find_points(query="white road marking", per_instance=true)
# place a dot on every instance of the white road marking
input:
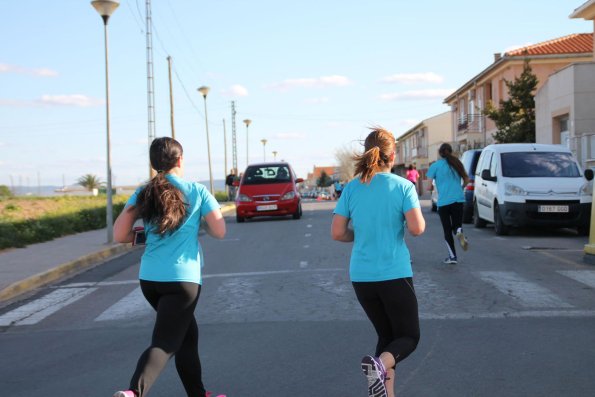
(306, 246)
(307, 235)
(303, 264)
(35, 311)
(131, 306)
(308, 225)
(586, 277)
(526, 293)
(500, 315)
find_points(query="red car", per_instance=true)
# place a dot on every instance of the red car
(268, 189)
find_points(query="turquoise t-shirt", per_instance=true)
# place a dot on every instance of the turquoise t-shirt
(448, 183)
(377, 212)
(177, 256)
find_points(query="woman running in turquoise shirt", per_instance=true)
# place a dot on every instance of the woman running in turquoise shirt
(380, 206)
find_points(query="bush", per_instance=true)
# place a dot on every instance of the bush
(221, 196)
(19, 233)
(5, 191)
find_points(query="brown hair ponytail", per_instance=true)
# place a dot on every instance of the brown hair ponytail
(159, 202)
(445, 151)
(378, 147)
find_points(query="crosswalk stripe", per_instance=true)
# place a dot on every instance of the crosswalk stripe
(35, 311)
(586, 277)
(526, 293)
(131, 306)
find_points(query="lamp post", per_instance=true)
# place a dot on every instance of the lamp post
(274, 155)
(204, 90)
(264, 153)
(105, 8)
(247, 122)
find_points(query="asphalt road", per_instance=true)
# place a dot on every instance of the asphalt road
(278, 317)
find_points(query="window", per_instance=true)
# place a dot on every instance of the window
(258, 175)
(539, 165)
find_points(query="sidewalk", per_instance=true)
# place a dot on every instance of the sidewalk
(25, 269)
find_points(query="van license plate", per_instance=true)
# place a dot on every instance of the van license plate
(552, 208)
(270, 207)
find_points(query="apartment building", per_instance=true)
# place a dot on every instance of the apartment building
(471, 128)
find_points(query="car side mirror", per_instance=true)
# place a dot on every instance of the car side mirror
(589, 174)
(487, 176)
(300, 180)
(236, 183)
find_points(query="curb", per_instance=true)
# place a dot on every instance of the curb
(63, 270)
(69, 268)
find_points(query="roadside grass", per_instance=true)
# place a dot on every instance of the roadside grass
(29, 220)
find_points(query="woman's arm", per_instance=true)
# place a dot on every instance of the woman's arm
(416, 224)
(339, 229)
(123, 226)
(215, 224)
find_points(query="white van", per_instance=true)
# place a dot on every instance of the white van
(524, 184)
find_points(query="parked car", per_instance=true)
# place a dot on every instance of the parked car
(469, 159)
(268, 189)
(526, 184)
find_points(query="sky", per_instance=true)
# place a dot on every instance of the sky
(312, 76)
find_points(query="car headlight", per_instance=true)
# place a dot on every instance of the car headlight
(514, 190)
(243, 198)
(288, 195)
(586, 189)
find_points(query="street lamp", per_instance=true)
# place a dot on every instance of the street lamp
(247, 122)
(274, 155)
(264, 143)
(105, 8)
(204, 90)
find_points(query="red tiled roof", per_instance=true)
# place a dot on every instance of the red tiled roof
(577, 43)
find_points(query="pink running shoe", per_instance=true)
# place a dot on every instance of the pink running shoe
(125, 393)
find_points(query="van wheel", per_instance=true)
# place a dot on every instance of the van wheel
(240, 219)
(477, 221)
(499, 227)
(583, 230)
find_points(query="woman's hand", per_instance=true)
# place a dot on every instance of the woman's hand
(340, 230)
(215, 224)
(123, 225)
(416, 224)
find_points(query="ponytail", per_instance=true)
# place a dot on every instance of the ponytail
(445, 151)
(160, 202)
(379, 146)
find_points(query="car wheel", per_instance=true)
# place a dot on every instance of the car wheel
(240, 219)
(298, 213)
(477, 221)
(499, 227)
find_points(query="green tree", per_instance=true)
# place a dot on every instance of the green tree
(324, 180)
(5, 191)
(515, 117)
(90, 182)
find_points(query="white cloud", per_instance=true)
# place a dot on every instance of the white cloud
(40, 72)
(411, 78)
(235, 91)
(76, 100)
(290, 136)
(417, 95)
(312, 82)
(317, 101)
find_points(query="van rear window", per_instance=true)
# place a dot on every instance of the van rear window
(266, 174)
(539, 165)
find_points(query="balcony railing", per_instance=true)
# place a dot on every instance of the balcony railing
(471, 123)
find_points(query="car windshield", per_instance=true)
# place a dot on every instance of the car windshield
(539, 165)
(265, 174)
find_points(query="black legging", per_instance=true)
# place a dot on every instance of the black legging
(451, 217)
(175, 333)
(391, 306)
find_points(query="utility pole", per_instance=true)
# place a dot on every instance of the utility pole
(234, 146)
(171, 99)
(150, 82)
(224, 151)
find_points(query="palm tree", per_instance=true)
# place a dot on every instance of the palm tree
(90, 182)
